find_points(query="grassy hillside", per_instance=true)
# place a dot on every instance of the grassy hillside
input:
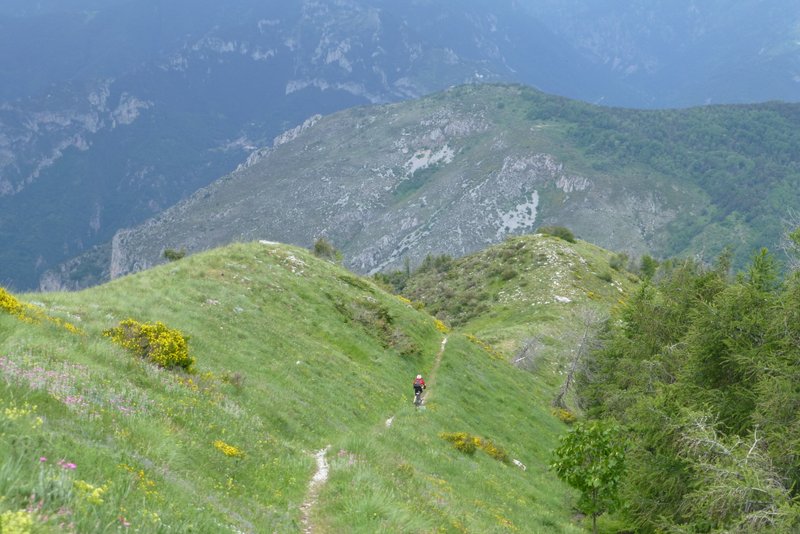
(533, 298)
(293, 355)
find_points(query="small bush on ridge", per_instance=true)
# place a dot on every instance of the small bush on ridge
(565, 416)
(173, 255)
(561, 232)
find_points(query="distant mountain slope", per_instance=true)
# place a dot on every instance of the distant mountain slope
(294, 355)
(111, 111)
(459, 170)
(683, 52)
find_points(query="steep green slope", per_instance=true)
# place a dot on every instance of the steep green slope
(294, 355)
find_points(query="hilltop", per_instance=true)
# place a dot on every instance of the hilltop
(539, 300)
(295, 359)
(465, 168)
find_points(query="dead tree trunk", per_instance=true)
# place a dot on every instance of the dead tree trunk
(590, 320)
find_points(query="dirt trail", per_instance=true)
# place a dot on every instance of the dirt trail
(434, 370)
(319, 478)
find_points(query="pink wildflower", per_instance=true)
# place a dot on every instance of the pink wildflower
(63, 464)
(124, 522)
(42, 459)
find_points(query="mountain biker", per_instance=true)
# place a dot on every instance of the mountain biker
(419, 385)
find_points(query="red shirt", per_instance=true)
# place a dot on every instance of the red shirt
(419, 382)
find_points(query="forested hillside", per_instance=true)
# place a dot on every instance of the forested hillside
(700, 369)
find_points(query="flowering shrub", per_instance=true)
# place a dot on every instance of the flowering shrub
(10, 304)
(155, 342)
(565, 416)
(29, 313)
(461, 441)
(440, 326)
(491, 449)
(20, 522)
(90, 493)
(468, 444)
(228, 450)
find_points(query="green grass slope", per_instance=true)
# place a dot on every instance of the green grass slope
(293, 355)
(532, 298)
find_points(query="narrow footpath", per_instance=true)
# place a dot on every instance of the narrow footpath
(321, 475)
(317, 481)
(434, 370)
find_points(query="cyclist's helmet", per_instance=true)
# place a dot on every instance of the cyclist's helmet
(419, 376)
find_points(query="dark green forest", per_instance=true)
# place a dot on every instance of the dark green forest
(700, 369)
(743, 156)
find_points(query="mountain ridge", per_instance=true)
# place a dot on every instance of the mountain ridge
(450, 173)
(110, 112)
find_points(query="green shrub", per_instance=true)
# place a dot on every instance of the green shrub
(648, 266)
(508, 274)
(618, 261)
(437, 264)
(561, 232)
(235, 379)
(325, 250)
(173, 255)
(605, 277)
(154, 342)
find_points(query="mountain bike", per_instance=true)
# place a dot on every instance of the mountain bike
(417, 397)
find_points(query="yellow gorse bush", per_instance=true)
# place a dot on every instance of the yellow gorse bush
(486, 347)
(10, 304)
(30, 314)
(468, 444)
(565, 416)
(166, 347)
(228, 450)
(440, 326)
(20, 522)
(461, 441)
(491, 449)
(89, 492)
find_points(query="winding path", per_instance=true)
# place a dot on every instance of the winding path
(319, 478)
(434, 370)
(321, 475)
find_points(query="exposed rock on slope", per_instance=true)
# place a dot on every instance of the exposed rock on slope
(446, 174)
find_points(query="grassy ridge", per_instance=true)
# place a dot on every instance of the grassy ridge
(293, 354)
(535, 290)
